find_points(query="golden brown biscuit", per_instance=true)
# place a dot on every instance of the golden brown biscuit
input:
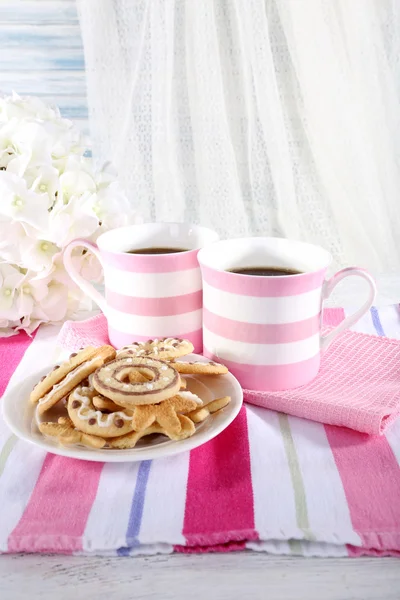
(199, 368)
(166, 414)
(137, 377)
(130, 440)
(163, 349)
(59, 372)
(201, 413)
(66, 434)
(69, 375)
(114, 381)
(87, 419)
(105, 404)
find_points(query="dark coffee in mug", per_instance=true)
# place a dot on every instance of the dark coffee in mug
(265, 271)
(156, 250)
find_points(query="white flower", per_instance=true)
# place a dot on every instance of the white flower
(68, 222)
(42, 179)
(111, 207)
(106, 175)
(11, 235)
(36, 140)
(16, 107)
(7, 150)
(50, 194)
(20, 204)
(53, 307)
(10, 282)
(36, 134)
(37, 254)
(64, 138)
(32, 291)
(75, 183)
(42, 298)
(7, 328)
(59, 274)
(16, 163)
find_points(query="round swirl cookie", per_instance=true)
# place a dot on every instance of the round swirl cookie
(113, 381)
(164, 348)
(105, 404)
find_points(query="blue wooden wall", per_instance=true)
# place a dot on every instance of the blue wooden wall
(41, 54)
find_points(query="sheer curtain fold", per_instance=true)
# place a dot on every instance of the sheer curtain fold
(262, 117)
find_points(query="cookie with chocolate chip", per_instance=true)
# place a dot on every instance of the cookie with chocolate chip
(65, 377)
(162, 348)
(87, 418)
(187, 429)
(199, 368)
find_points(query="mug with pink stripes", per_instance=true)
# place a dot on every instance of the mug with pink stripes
(152, 280)
(262, 309)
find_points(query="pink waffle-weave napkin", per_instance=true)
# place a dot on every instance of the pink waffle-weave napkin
(358, 385)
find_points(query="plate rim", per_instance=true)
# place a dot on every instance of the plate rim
(129, 455)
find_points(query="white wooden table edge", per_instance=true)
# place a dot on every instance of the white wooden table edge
(221, 576)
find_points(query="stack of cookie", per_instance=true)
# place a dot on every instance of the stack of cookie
(113, 399)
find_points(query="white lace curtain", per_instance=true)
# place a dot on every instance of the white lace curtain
(264, 117)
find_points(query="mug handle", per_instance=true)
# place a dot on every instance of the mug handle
(85, 286)
(327, 289)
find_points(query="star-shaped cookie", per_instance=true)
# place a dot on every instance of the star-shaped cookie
(66, 433)
(166, 413)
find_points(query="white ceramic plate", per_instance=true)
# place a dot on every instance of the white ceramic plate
(19, 414)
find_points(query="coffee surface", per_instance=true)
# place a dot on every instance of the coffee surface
(265, 271)
(163, 250)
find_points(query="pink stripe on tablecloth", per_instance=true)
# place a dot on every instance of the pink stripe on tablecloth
(219, 498)
(155, 307)
(247, 285)
(229, 547)
(356, 551)
(255, 333)
(371, 479)
(60, 502)
(372, 505)
(151, 263)
(12, 349)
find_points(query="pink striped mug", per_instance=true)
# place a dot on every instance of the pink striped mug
(148, 295)
(267, 329)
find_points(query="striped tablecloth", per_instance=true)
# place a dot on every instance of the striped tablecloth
(270, 482)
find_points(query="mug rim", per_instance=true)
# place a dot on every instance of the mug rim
(204, 263)
(110, 232)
